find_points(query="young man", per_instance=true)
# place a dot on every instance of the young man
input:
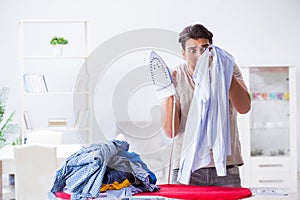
(194, 40)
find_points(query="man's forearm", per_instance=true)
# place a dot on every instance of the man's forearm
(239, 96)
(168, 116)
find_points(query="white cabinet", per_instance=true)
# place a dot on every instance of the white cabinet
(55, 88)
(268, 131)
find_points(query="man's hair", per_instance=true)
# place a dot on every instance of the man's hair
(194, 32)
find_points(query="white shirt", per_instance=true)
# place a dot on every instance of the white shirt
(208, 131)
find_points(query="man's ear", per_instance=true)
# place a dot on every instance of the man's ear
(183, 52)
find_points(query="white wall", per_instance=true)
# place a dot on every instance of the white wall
(255, 32)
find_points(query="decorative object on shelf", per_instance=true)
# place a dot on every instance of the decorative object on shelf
(273, 153)
(57, 122)
(270, 96)
(257, 152)
(58, 43)
(7, 127)
(59, 40)
(35, 83)
(279, 152)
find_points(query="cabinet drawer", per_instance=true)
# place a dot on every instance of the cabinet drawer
(270, 180)
(270, 165)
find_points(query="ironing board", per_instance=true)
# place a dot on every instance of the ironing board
(190, 192)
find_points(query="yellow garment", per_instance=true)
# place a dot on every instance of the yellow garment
(115, 185)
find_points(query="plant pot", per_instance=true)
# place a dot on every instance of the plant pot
(57, 50)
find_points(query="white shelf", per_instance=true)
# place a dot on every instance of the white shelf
(269, 129)
(61, 75)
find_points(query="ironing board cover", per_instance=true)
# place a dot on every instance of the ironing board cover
(190, 192)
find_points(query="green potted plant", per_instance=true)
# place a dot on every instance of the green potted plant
(7, 127)
(59, 40)
(58, 43)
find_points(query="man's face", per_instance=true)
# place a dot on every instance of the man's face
(193, 49)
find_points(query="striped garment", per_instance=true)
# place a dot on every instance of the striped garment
(84, 171)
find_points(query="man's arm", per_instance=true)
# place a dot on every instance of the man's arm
(167, 106)
(239, 96)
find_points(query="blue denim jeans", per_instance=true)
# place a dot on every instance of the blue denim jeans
(208, 177)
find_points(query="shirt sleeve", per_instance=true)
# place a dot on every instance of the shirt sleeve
(237, 73)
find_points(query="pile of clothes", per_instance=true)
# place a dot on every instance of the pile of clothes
(105, 167)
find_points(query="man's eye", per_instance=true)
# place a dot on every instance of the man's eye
(202, 50)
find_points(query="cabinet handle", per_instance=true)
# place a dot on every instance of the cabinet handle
(270, 181)
(271, 165)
